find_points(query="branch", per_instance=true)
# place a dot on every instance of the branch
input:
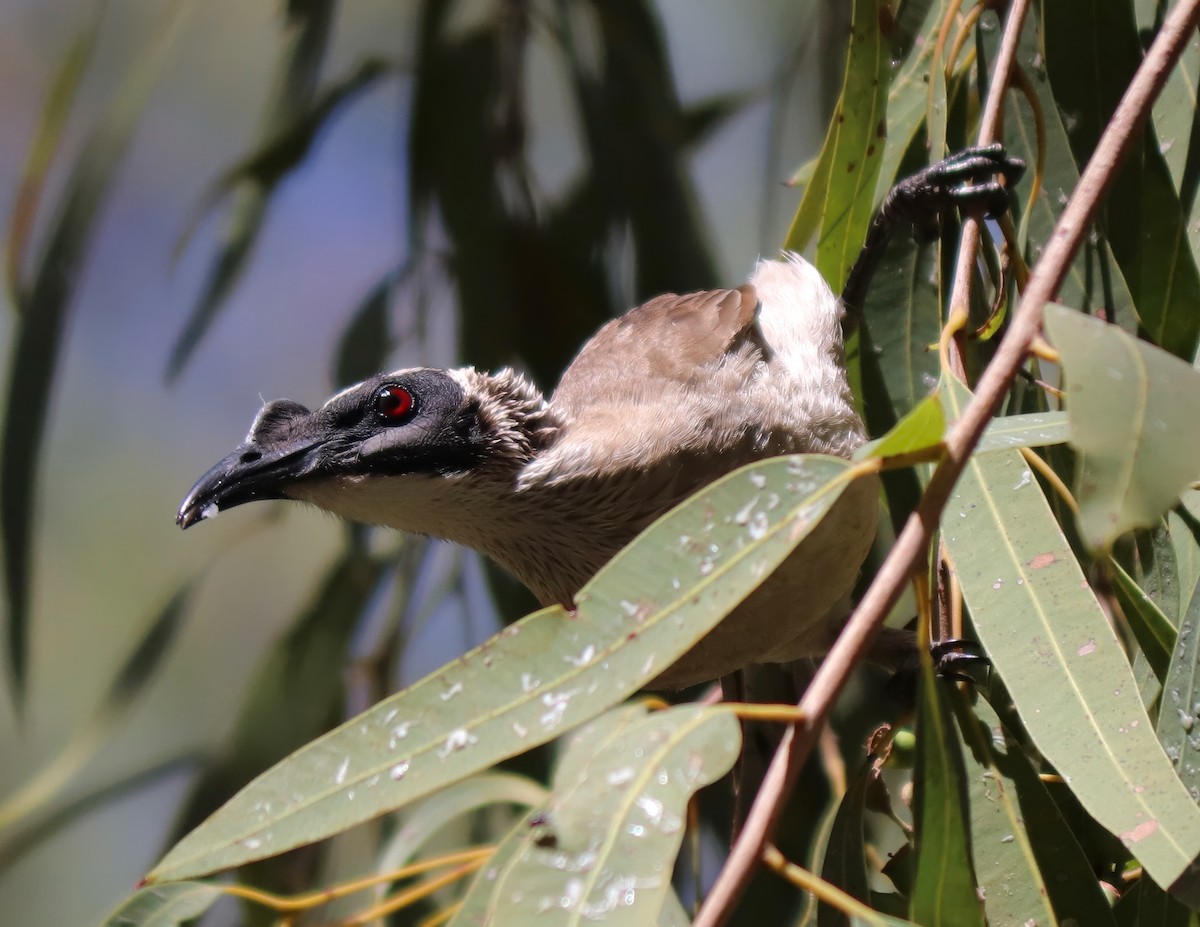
(1122, 132)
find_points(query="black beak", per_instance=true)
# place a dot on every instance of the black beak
(284, 444)
(248, 474)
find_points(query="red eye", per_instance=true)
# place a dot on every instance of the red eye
(393, 403)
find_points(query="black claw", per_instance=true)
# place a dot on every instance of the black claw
(960, 660)
(964, 179)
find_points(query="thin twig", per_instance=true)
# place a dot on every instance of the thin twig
(1122, 132)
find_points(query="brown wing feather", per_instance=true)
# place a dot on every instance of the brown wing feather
(667, 338)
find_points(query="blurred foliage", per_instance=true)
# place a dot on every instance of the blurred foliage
(1071, 781)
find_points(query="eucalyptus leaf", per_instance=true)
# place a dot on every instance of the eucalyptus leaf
(164, 905)
(536, 679)
(1056, 652)
(1135, 421)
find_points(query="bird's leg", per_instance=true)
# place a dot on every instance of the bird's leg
(966, 180)
(955, 658)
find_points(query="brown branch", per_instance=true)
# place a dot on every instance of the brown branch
(1122, 132)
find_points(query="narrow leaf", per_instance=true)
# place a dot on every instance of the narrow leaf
(1135, 421)
(838, 204)
(1179, 711)
(1057, 654)
(944, 891)
(1154, 633)
(920, 429)
(38, 337)
(640, 613)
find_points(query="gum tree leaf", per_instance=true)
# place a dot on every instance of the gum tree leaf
(840, 200)
(1135, 421)
(538, 677)
(920, 429)
(613, 830)
(944, 893)
(1179, 710)
(1058, 656)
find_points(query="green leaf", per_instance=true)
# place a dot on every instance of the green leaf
(38, 336)
(1031, 868)
(839, 202)
(164, 905)
(612, 831)
(944, 891)
(1094, 282)
(919, 430)
(1092, 51)
(845, 863)
(1033, 429)
(537, 678)
(1179, 711)
(908, 96)
(1135, 421)
(1052, 645)
(1154, 633)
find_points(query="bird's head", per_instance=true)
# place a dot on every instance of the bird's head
(382, 443)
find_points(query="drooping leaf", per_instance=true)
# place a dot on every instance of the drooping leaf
(1094, 282)
(1092, 51)
(1052, 645)
(46, 141)
(636, 617)
(944, 892)
(1135, 422)
(38, 337)
(839, 202)
(1033, 429)
(845, 863)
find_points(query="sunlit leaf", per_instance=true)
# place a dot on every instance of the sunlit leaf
(1033, 429)
(1053, 646)
(839, 202)
(920, 429)
(1135, 421)
(611, 833)
(537, 678)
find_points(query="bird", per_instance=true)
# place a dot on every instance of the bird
(658, 403)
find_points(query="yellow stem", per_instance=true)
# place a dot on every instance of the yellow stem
(815, 885)
(409, 896)
(1050, 477)
(476, 856)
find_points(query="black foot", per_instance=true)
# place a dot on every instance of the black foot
(956, 660)
(965, 180)
(959, 660)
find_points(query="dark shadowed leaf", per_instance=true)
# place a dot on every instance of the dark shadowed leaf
(294, 115)
(1092, 50)
(944, 892)
(367, 340)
